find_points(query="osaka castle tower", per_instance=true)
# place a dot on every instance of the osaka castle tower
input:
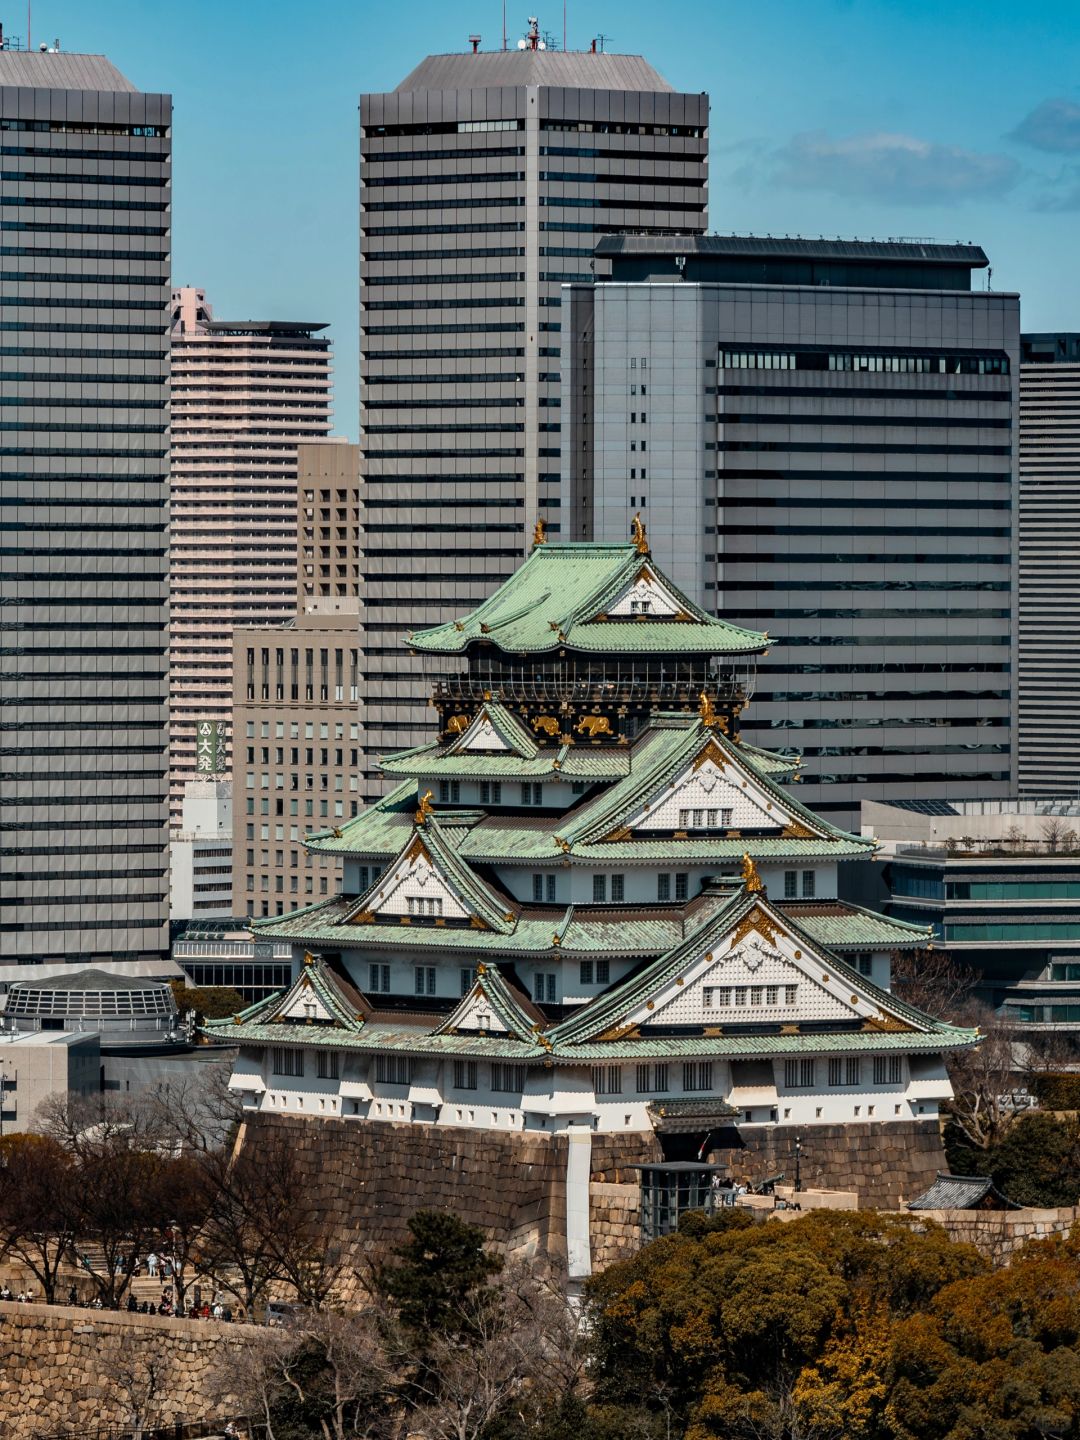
(587, 903)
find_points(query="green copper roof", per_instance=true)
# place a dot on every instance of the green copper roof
(514, 1008)
(768, 762)
(851, 927)
(567, 762)
(550, 603)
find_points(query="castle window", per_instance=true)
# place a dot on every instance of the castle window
(888, 1070)
(599, 888)
(379, 978)
(490, 792)
(663, 887)
(551, 889)
(425, 979)
(607, 1079)
(464, 1074)
(799, 1074)
(585, 972)
(640, 607)
(740, 996)
(603, 971)
(772, 994)
(681, 885)
(467, 977)
(507, 1079)
(393, 1069)
(287, 1061)
(791, 884)
(449, 792)
(789, 994)
(697, 1075)
(652, 1079)
(618, 887)
(845, 1072)
(808, 878)
(716, 997)
(544, 988)
(328, 1063)
(864, 963)
(532, 794)
(538, 887)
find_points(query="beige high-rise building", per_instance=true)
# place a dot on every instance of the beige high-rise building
(244, 394)
(296, 692)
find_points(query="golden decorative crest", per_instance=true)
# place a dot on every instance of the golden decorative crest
(539, 537)
(309, 958)
(750, 878)
(756, 922)
(795, 830)
(425, 808)
(637, 534)
(708, 711)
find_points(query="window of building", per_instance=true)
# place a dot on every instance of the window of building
(740, 992)
(618, 887)
(425, 980)
(551, 889)
(697, 1075)
(682, 885)
(888, 1070)
(790, 992)
(393, 1069)
(449, 792)
(663, 887)
(379, 978)
(287, 1061)
(468, 975)
(507, 1079)
(652, 1079)
(585, 972)
(328, 1064)
(791, 884)
(716, 997)
(846, 1072)
(864, 964)
(808, 879)
(603, 971)
(464, 1074)
(607, 1079)
(532, 794)
(599, 888)
(538, 887)
(490, 792)
(544, 988)
(798, 1074)
(640, 607)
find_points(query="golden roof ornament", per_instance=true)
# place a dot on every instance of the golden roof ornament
(709, 716)
(637, 534)
(425, 808)
(750, 878)
(539, 533)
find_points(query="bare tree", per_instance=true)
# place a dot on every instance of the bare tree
(39, 1208)
(982, 1078)
(142, 1377)
(933, 981)
(1054, 831)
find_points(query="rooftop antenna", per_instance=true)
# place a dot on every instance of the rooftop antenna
(474, 41)
(504, 24)
(564, 25)
(600, 41)
(29, 37)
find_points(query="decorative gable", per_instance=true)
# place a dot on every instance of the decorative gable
(476, 1014)
(645, 595)
(480, 736)
(304, 1003)
(413, 886)
(759, 974)
(713, 792)
(492, 730)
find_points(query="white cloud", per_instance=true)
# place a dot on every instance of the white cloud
(898, 168)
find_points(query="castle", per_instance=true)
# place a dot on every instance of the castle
(587, 906)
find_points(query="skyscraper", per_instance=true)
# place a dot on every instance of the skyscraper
(820, 436)
(1048, 733)
(486, 180)
(244, 393)
(85, 198)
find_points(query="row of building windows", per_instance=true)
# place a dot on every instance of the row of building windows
(89, 127)
(933, 887)
(41, 227)
(724, 997)
(869, 361)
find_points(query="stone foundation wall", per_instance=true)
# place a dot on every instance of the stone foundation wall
(885, 1164)
(76, 1371)
(999, 1233)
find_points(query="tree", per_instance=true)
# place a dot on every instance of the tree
(981, 1110)
(933, 981)
(1035, 1162)
(1054, 831)
(185, 1200)
(237, 1242)
(211, 1002)
(38, 1206)
(442, 1265)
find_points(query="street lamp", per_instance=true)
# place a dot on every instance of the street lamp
(798, 1163)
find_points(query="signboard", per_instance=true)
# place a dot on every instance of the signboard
(210, 756)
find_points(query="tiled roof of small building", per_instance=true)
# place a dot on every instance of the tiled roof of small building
(961, 1192)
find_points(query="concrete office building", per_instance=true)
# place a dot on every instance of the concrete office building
(820, 437)
(296, 696)
(486, 180)
(200, 874)
(85, 201)
(244, 393)
(36, 1064)
(1048, 734)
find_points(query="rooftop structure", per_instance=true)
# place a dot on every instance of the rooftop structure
(122, 1010)
(586, 904)
(962, 1192)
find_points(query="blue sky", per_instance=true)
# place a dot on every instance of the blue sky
(838, 117)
